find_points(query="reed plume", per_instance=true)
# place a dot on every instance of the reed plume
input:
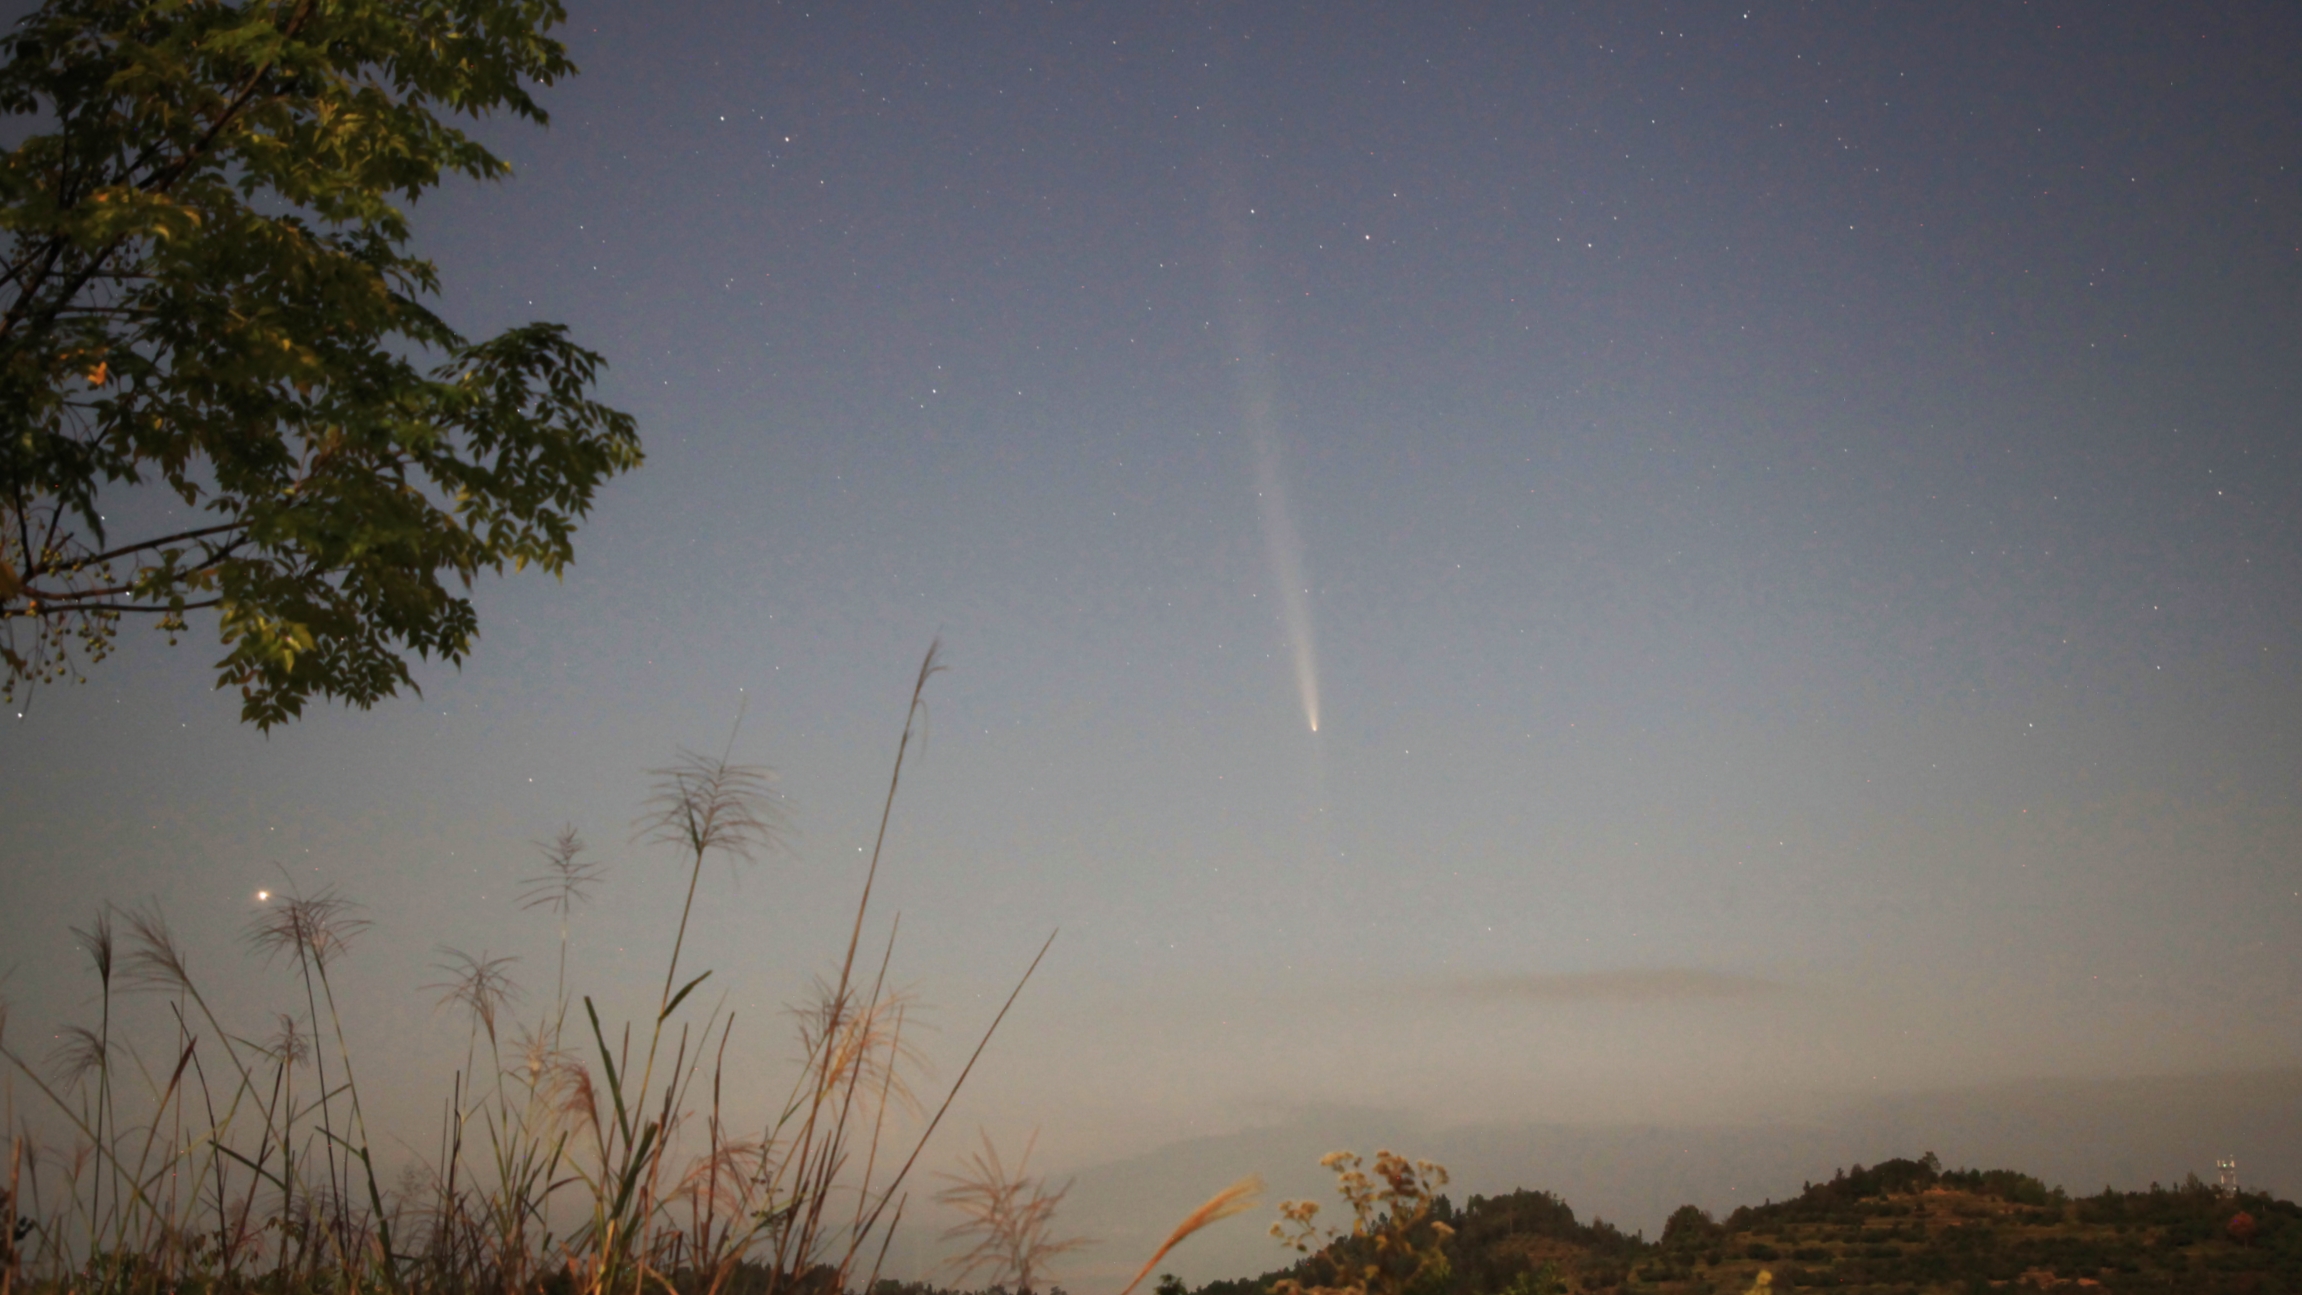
(1238, 1198)
(1011, 1217)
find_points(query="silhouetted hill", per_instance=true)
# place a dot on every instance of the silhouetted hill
(2083, 1134)
(1903, 1227)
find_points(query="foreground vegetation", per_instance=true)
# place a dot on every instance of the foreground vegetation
(576, 1155)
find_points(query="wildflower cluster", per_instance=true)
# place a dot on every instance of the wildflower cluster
(1396, 1242)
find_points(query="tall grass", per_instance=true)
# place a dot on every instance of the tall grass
(573, 1158)
(1009, 1216)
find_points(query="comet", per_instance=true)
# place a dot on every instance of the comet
(1256, 372)
(1285, 547)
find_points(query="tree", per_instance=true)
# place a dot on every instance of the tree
(1690, 1227)
(212, 332)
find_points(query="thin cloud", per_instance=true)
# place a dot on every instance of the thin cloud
(1648, 985)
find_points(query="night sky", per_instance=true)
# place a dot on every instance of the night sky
(1787, 520)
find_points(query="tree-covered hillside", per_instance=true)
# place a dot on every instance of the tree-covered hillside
(1901, 1226)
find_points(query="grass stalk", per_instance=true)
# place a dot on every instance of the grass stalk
(208, 1162)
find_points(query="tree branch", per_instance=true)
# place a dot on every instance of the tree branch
(159, 181)
(142, 608)
(178, 538)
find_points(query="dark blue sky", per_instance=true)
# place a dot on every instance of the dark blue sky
(1797, 508)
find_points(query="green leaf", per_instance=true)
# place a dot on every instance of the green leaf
(680, 997)
(607, 1063)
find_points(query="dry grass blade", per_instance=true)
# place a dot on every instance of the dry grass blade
(854, 1044)
(1238, 1198)
(566, 878)
(291, 1046)
(157, 961)
(930, 666)
(482, 984)
(705, 805)
(320, 928)
(1010, 1217)
(950, 1095)
(574, 1099)
(97, 940)
(79, 1052)
(729, 1178)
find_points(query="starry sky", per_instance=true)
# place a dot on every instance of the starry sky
(1787, 517)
